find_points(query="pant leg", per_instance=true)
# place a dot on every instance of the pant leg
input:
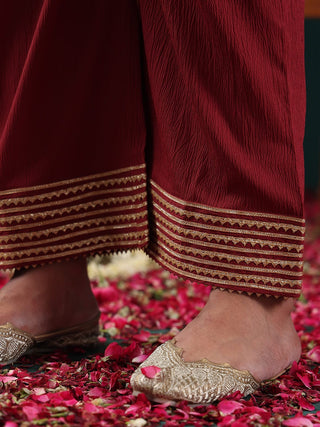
(227, 104)
(72, 130)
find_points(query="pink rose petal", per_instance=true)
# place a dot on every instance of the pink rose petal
(143, 336)
(7, 378)
(96, 392)
(314, 354)
(298, 421)
(150, 371)
(227, 407)
(139, 359)
(31, 412)
(89, 407)
(41, 398)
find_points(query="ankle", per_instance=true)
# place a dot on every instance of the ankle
(280, 308)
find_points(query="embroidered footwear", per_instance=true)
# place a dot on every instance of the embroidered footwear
(198, 382)
(14, 342)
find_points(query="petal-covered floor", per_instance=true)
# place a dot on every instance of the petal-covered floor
(141, 307)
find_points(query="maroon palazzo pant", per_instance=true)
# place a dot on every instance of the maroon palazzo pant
(175, 126)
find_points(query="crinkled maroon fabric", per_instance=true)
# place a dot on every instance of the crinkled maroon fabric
(175, 126)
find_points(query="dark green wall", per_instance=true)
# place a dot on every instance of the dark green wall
(312, 130)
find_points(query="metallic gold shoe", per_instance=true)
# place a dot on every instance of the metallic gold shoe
(199, 382)
(15, 343)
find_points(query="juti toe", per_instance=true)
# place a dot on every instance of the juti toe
(199, 382)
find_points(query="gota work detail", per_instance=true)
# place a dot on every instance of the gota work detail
(13, 343)
(198, 382)
(98, 213)
(242, 251)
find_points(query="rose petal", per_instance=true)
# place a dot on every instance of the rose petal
(7, 378)
(114, 350)
(314, 354)
(150, 371)
(305, 379)
(227, 407)
(143, 336)
(140, 359)
(31, 412)
(298, 421)
(96, 392)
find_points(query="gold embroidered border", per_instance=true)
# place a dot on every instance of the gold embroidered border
(96, 213)
(221, 247)
(226, 238)
(225, 256)
(92, 249)
(84, 215)
(204, 272)
(121, 202)
(95, 224)
(213, 228)
(73, 181)
(256, 288)
(226, 212)
(204, 261)
(115, 238)
(96, 194)
(211, 246)
(224, 220)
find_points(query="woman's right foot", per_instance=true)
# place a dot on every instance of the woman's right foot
(248, 332)
(236, 342)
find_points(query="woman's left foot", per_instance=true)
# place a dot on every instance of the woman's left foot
(52, 305)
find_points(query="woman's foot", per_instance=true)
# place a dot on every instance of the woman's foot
(48, 298)
(248, 332)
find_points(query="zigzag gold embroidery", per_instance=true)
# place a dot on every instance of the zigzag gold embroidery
(204, 261)
(64, 201)
(131, 221)
(83, 215)
(228, 257)
(204, 273)
(216, 281)
(225, 239)
(168, 252)
(193, 242)
(69, 182)
(213, 228)
(93, 249)
(226, 220)
(72, 245)
(226, 211)
(121, 202)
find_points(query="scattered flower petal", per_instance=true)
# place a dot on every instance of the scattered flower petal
(150, 371)
(227, 407)
(298, 421)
